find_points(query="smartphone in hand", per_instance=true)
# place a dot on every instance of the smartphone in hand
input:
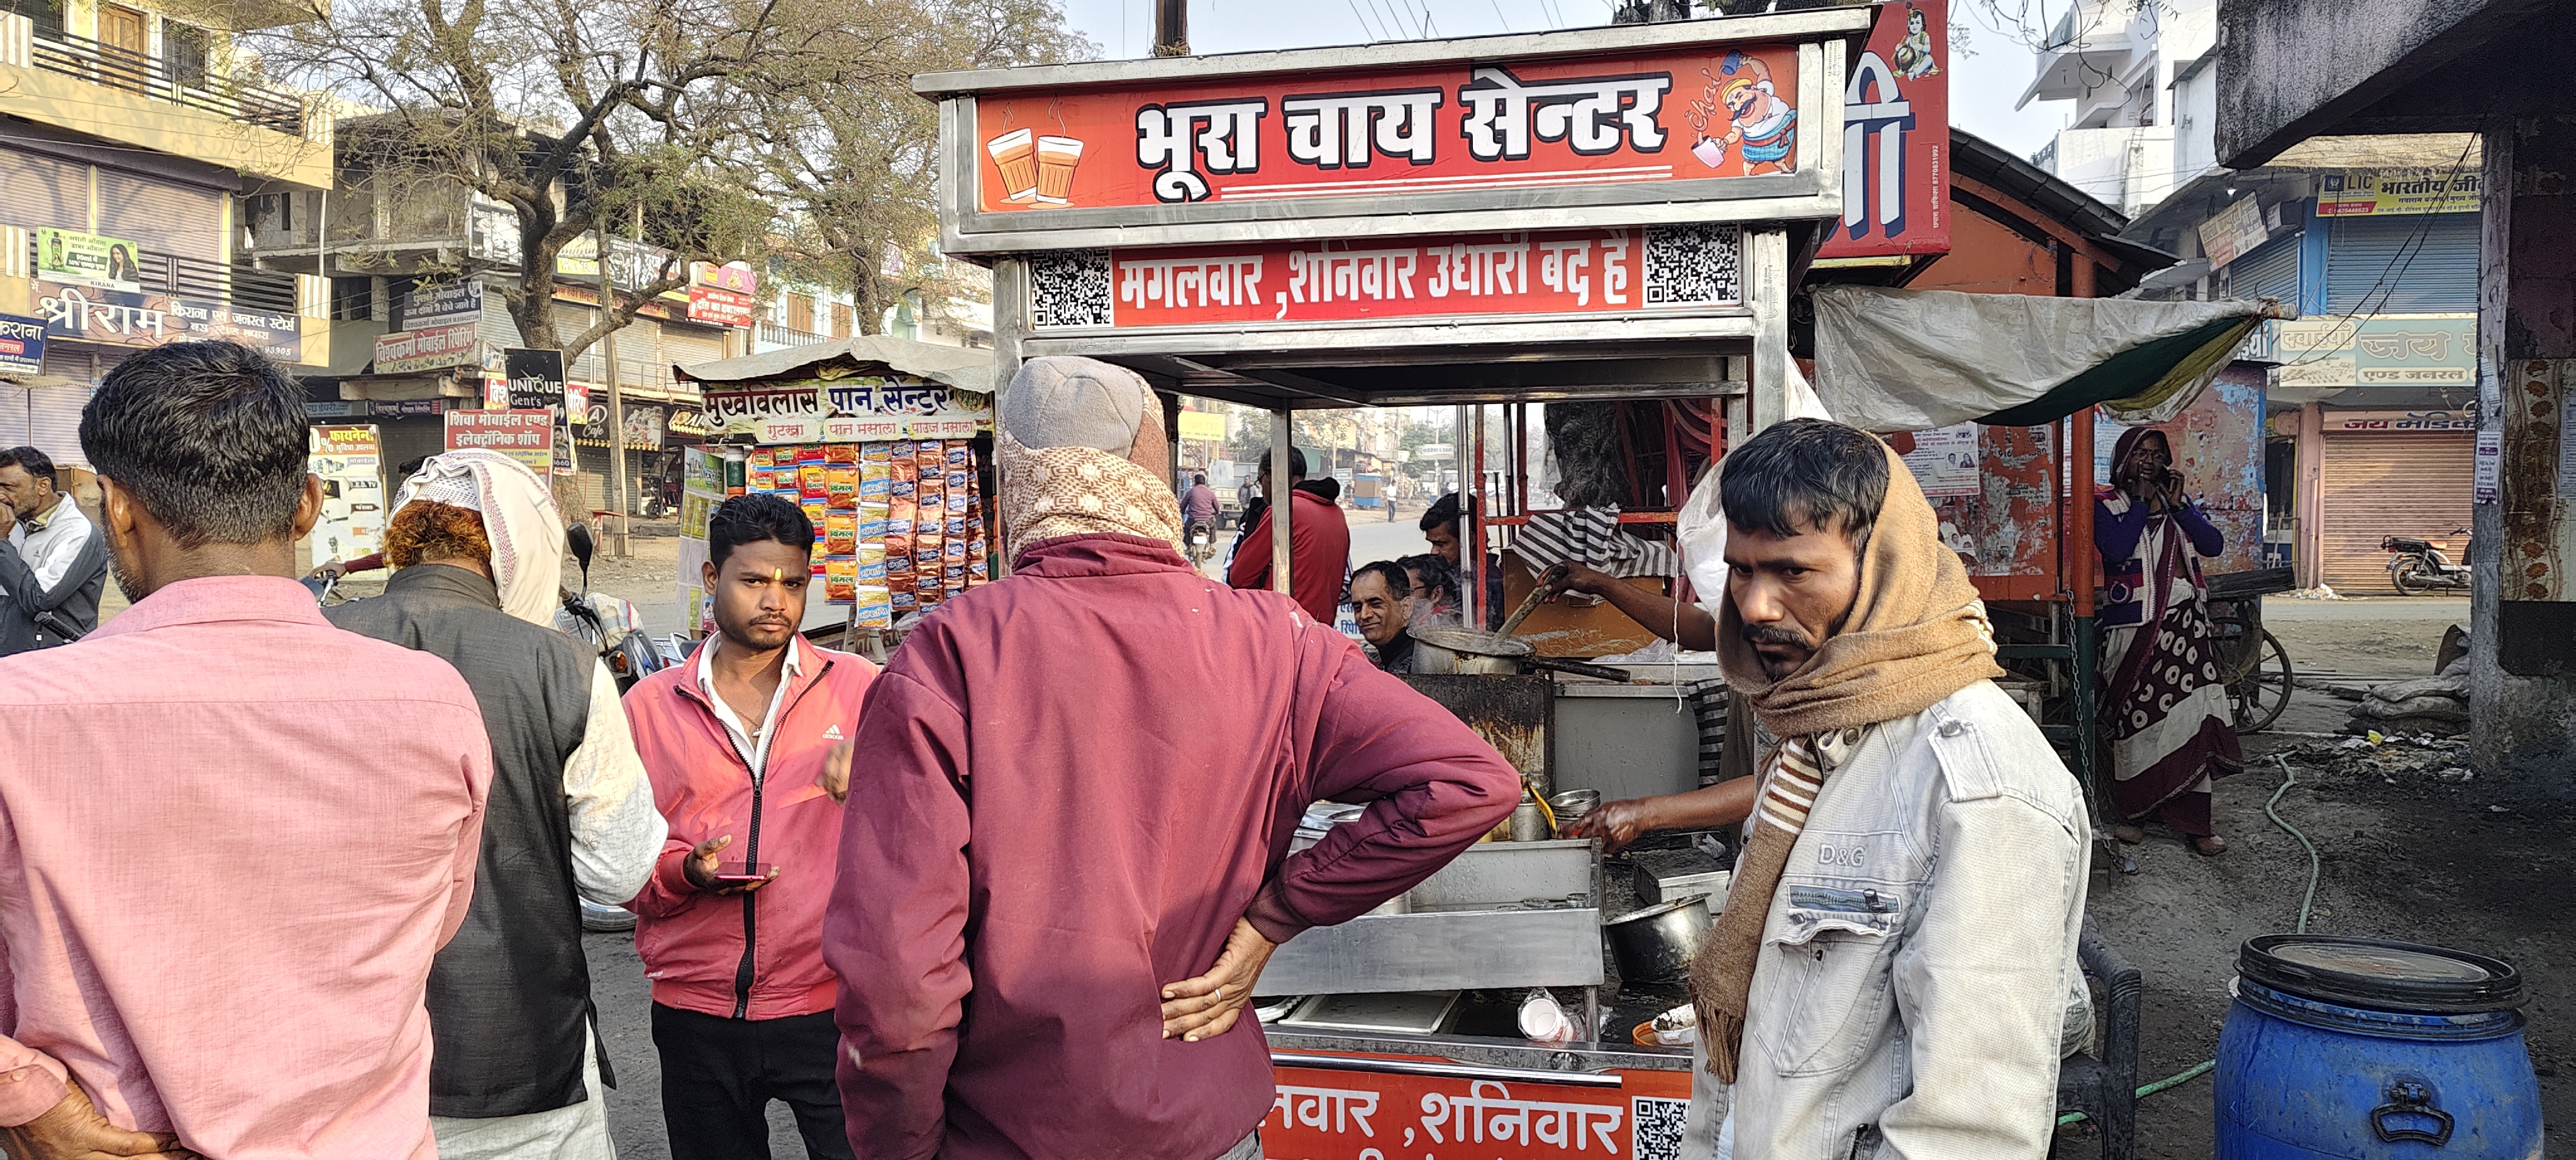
(739, 873)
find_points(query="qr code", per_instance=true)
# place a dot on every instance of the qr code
(1694, 265)
(1070, 289)
(1655, 1127)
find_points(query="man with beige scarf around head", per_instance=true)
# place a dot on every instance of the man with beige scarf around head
(1891, 973)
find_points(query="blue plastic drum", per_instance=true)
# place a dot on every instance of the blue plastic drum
(2359, 1049)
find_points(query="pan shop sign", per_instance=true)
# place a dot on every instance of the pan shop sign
(1559, 273)
(865, 408)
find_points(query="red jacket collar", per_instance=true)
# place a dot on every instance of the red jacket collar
(1106, 554)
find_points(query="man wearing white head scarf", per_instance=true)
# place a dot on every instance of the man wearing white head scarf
(1139, 741)
(478, 549)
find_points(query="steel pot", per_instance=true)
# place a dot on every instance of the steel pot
(1656, 944)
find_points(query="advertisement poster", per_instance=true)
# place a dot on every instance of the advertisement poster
(445, 304)
(2235, 231)
(1896, 138)
(643, 425)
(126, 318)
(1944, 461)
(88, 259)
(22, 344)
(349, 463)
(2415, 189)
(1557, 272)
(433, 348)
(2379, 351)
(702, 487)
(2488, 482)
(1351, 1115)
(1659, 115)
(527, 436)
(536, 379)
(732, 277)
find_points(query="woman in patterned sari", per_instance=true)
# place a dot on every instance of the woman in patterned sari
(2164, 711)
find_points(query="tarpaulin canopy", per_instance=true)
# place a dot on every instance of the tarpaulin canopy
(1912, 360)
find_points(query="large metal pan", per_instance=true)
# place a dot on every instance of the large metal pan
(1459, 650)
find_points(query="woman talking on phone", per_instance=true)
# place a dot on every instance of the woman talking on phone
(2164, 710)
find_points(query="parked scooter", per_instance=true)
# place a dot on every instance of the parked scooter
(606, 622)
(2419, 567)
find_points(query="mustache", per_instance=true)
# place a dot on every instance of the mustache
(1772, 634)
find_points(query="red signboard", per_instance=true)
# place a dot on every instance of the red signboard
(1660, 115)
(1896, 138)
(1556, 272)
(1353, 1115)
(720, 307)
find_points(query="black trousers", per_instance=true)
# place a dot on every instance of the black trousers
(718, 1076)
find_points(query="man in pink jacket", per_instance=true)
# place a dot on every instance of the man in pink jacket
(738, 740)
(1075, 791)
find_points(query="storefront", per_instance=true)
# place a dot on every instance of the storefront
(2391, 473)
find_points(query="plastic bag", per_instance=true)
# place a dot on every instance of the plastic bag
(1701, 525)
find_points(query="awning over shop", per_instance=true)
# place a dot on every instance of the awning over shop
(1913, 360)
(965, 370)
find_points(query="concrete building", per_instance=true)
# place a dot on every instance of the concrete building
(129, 131)
(2364, 445)
(389, 237)
(2294, 70)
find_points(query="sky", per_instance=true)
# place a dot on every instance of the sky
(1983, 87)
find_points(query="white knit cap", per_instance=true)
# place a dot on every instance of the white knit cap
(1063, 401)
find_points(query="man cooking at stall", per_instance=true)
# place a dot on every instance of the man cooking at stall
(1915, 832)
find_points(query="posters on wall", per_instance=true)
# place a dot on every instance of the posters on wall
(22, 344)
(89, 259)
(2490, 463)
(643, 425)
(1944, 461)
(527, 436)
(1896, 138)
(702, 487)
(126, 318)
(349, 463)
(2234, 232)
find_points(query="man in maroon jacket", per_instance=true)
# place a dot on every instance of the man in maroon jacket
(1319, 542)
(1075, 792)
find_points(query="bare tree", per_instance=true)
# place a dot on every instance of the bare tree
(577, 115)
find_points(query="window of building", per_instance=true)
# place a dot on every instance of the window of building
(46, 15)
(840, 320)
(185, 48)
(800, 312)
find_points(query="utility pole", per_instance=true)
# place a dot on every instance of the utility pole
(617, 545)
(1171, 27)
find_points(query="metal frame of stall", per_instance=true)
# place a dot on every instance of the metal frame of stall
(1067, 252)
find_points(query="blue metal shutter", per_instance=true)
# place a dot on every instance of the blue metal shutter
(2270, 271)
(2403, 264)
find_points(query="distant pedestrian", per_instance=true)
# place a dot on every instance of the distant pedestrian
(478, 550)
(2164, 712)
(1198, 519)
(746, 745)
(1319, 541)
(53, 563)
(236, 834)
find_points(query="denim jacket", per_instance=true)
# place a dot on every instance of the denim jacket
(1917, 960)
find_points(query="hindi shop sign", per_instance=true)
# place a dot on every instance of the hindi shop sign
(1896, 138)
(22, 344)
(1352, 1115)
(445, 304)
(1561, 273)
(129, 318)
(861, 409)
(430, 348)
(720, 307)
(1658, 115)
(527, 436)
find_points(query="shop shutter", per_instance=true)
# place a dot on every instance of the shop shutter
(165, 216)
(53, 423)
(41, 191)
(689, 345)
(2391, 485)
(2403, 264)
(2271, 271)
(496, 328)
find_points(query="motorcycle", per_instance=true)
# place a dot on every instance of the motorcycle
(606, 623)
(2419, 567)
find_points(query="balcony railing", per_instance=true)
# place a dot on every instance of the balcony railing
(778, 334)
(134, 72)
